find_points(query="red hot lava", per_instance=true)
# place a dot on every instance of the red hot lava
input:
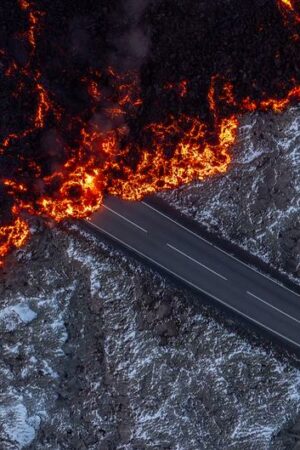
(291, 7)
(87, 153)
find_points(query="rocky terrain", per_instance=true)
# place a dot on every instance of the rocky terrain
(257, 203)
(99, 352)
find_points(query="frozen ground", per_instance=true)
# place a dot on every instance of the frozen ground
(257, 204)
(100, 353)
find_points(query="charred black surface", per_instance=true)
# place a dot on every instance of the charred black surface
(63, 46)
(247, 43)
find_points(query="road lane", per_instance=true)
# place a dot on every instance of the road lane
(196, 261)
(159, 239)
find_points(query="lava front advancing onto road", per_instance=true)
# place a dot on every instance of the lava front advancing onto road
(81, 119)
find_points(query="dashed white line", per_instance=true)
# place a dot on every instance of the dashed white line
(273, 307)
(221, 250)
(196, 261)
(125, 218)
(232, 308)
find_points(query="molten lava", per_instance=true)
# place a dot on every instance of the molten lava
(291, 7)
(192, 157)
(13, 236)
(60, 156)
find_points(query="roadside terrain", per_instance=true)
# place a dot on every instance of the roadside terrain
(257, 203)
(99, 352)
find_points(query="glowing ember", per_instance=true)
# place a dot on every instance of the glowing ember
(291, 7)
(13, 236)
(181, 88)
(110, 146)
(193, 158)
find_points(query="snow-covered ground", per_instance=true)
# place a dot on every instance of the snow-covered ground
(100, 352)
(32, 337)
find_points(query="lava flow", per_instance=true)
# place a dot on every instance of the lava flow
(291, 7)
(74, 128)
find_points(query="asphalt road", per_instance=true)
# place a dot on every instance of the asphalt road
(165, 243)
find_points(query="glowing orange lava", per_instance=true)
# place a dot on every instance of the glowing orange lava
(84, 179)
(291, 7)
(192, 159)
(174, 151)
(13, 236)
(181, 88)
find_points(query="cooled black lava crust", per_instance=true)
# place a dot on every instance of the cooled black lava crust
(245, 42)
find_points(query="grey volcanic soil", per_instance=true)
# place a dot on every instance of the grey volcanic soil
(98, 352)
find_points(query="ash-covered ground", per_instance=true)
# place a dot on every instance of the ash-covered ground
(257, 203)
(99, 352)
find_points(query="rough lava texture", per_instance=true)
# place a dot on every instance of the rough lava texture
(101, 353)
(257, 203)
(97, 351)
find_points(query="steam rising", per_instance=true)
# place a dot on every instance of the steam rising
(89, 110)
(132, 44)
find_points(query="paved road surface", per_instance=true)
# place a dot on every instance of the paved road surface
(159, 239)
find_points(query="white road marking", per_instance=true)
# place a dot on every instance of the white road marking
(125, 218)
(195, 260)
(196, 287)
(223, 251)
(273, 307)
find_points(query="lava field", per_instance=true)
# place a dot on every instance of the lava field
(114, 98)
